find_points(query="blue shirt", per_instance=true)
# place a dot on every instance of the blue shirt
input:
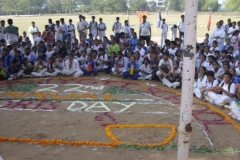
(134, 42)
(236, 80)
(92, 63)
(145, 48)
(7, 61)
(65, 27)
(20, 58)
(225, 46)
(133, 64)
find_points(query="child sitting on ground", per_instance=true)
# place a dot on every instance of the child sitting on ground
(40, 68)
(15, 70)
(52, 70)
(90, 68)
(145, 70)
(132, 70)
(27, 68)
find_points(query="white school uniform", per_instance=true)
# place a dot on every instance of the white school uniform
(123, 61)
(71, 27)
(206, 84)
(82, 60)
(67, 70)
(102, 33)
(2, 35)
(31, 35)
(170, 84)
(55, 73)
(231, 30)
(49, 54)
(167, 63)
(141, 51)
(86, 30)
(58, 33)
(37, 40)
(163, 33)
(219, 72)
(117, 27)
(173, 33)
(145, 28)
(11, 38)
(172, 51)
(218, 32)
(100, 64)
(40, 72)
(126, 29)
(93, 28)
(146, 69)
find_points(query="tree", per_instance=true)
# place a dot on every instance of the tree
(151, 5)
(176, 5)
(97, 5)
(120, 5)
(54, 5)
(136, 5)
(211, 5)
(37, 5)
(201, 3)
(233, 4)
(11, 5)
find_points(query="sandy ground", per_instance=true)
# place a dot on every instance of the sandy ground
(79, 121)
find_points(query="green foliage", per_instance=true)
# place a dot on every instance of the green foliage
(118, 90)
(136, 5)
(23, 87)
(233, 5)
(176, 5)
(211, 5)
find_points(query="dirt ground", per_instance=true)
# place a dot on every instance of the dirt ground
(79, 109)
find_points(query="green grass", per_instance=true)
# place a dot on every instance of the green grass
(24, 22)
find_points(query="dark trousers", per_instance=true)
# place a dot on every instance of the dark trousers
(145, 38)
(154, 73)
(181, 34)
(128, 75)
(92, 73)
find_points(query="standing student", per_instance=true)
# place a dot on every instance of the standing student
(117, 26)
(134, 41)
(48, 36)
(59, 30)
(71, 29)
(126, 28)
(72, 67)
(86, 25)
(33, 30)
(65, 29)
(165, 66)
(181, 27)
(145, 30)
(11, 33)
(2, 27)
(173, 32)
(102, 27)
(51, 26)
(81, 26)
(224, 93)
(164, 28)
(93, 27)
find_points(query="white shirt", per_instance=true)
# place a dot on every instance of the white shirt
(102, 26)
(164, 27)
(210, 84)
(145, 28)
(11, 38)
(141, 51)
(102, 57)
(167, 63)
(2, 35)
(172, 51)
(145, 68)
(58, 33)
(231, 30)
(31, 30)
(74, 67)
(49, 54)
(219, 72)
(139, 61)
(86, 30)
(40, 68)
(71, 27)
(93, 25)
(117, 27)
(181, 26)
(237, 70)
(225, 87)
(126, 29)
(81, 25)
(37, 40)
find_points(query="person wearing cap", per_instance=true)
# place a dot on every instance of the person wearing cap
(51, 26)
(11, 33)
(58, 31)
(164, 27)
(102, 27)
(165, 66)
(145, 30)
(2, 27)
(65, 29)
(93, 27)
(33, 30)
(71, 29)
(117, 26)
(80, 27)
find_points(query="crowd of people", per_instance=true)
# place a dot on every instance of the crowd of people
(85, 50)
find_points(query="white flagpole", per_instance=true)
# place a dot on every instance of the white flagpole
(184, 129)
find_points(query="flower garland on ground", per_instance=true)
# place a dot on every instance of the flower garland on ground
(166, 140)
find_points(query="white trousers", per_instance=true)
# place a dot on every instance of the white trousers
(39, 73)
(68, 72)
(163, 37)
(169, 84)
(219, 98)
(146, 76)
(54, 74)
(19, 74)
(173, 35)
(120, 69)
(235, 110)
(160, 75)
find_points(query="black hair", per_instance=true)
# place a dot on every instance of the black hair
(224, 51)
(15, 61)
(10, 21)
(166, 53)
(210, 73)
(101, 49)
(228, 74)
(203, 68)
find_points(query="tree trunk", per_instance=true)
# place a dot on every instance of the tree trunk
(167, 7)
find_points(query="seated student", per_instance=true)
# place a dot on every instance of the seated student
(218, 71)
(60, 64)
(210, 82)
(72, 67)
(214, 47)
(102, 60)
(52, 70)
(95, 45)
(6, 58)
(15, 70)
(223, 56)
(18, 56)
(207, 53)
(110, 63)
(165, 66)
(90, 68)
(235, 79)
(42, 47)
(227, 44)
(3, 71)
(132, 70)
(138, 58)
(154, 61)
(230, 52)
(237, 69)
(229, 60)
(224, 93)
(218, 58)
(29, 55)
(140, 49)
(235, 43)
(49, 51)
(209, 65)
(174, 78)
(145, 70)
(40, 68)
(172, 50)
(27, 68)
(94, 56)
(234, 105)
(202, 61)
(200, 79)
(83, 58)
(120, 64)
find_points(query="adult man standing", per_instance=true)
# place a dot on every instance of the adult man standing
(145, 30)
(181, 27)
(2, 27)
(65, 28)
(117, 26)
(33, 30)
(71, 29)
(93, 27)
(51, 25)
(164, 28)
(11, 33)
(126, 28)
(48, 35)
(101, 29)
(80, 27)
